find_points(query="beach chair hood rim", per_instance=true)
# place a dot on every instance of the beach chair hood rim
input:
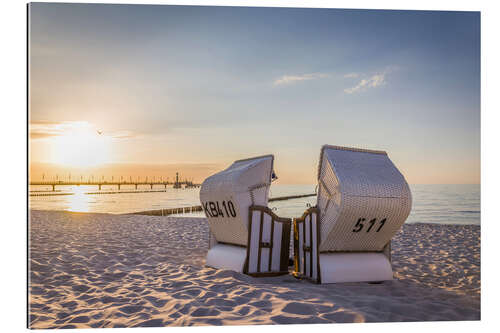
(242, 190)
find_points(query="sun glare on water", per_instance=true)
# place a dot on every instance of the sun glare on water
(81, 146)
(79, 202)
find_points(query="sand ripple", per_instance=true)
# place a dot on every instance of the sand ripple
(100, 270)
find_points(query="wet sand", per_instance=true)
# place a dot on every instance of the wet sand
(103, 270)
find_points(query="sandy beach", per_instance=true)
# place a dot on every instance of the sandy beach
(103, 270)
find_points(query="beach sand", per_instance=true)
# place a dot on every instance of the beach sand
(102, 270)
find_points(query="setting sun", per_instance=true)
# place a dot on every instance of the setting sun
(81, 145)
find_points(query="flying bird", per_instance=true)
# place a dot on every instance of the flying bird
(99, 132)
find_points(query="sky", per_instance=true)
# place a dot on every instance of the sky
(137, 90)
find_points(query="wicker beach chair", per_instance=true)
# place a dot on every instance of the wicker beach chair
(363, 200)
(245, 235)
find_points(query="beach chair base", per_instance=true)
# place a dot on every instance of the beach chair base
(354, 267)
(225, 256)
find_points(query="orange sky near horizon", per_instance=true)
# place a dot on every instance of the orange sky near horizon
(79, 150)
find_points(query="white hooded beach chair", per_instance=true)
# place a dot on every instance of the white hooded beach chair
(363, 200)
(245, 235)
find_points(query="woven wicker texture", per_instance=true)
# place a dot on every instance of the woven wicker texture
(362, 197)
(242, 184)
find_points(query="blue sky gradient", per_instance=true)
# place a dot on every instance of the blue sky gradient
(213, 84)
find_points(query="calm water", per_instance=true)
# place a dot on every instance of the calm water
(446, 204)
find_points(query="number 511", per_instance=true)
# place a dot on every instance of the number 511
(359, 225)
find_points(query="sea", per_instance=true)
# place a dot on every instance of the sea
(442, 204)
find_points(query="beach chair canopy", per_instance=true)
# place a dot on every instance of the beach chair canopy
(362, 197)
(227, 196)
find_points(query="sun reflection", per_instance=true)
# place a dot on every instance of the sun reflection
(78, 202)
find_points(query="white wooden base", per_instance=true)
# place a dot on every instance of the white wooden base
(354, 267)
(224, 256)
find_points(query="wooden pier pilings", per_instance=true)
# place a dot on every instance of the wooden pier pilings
(292, 197)
(192, 209)
(170, 211)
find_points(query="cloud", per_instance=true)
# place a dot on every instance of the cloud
(46, 129)
(376, 80)
(34, 135)
(372, 82)
(122, 134)
(291, 79)
(351, 75)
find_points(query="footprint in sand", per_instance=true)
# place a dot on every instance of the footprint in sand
(81, 288)
(80, 319)
(156, 302)
(299, 308)
(205, 312)
(343, 317)
(280, 319)
(151, 323)
(129, 309)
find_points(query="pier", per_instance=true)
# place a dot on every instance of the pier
(145, 182)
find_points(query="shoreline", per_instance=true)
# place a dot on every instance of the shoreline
(105, 270)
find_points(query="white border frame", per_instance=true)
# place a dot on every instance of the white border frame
(14, 132)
